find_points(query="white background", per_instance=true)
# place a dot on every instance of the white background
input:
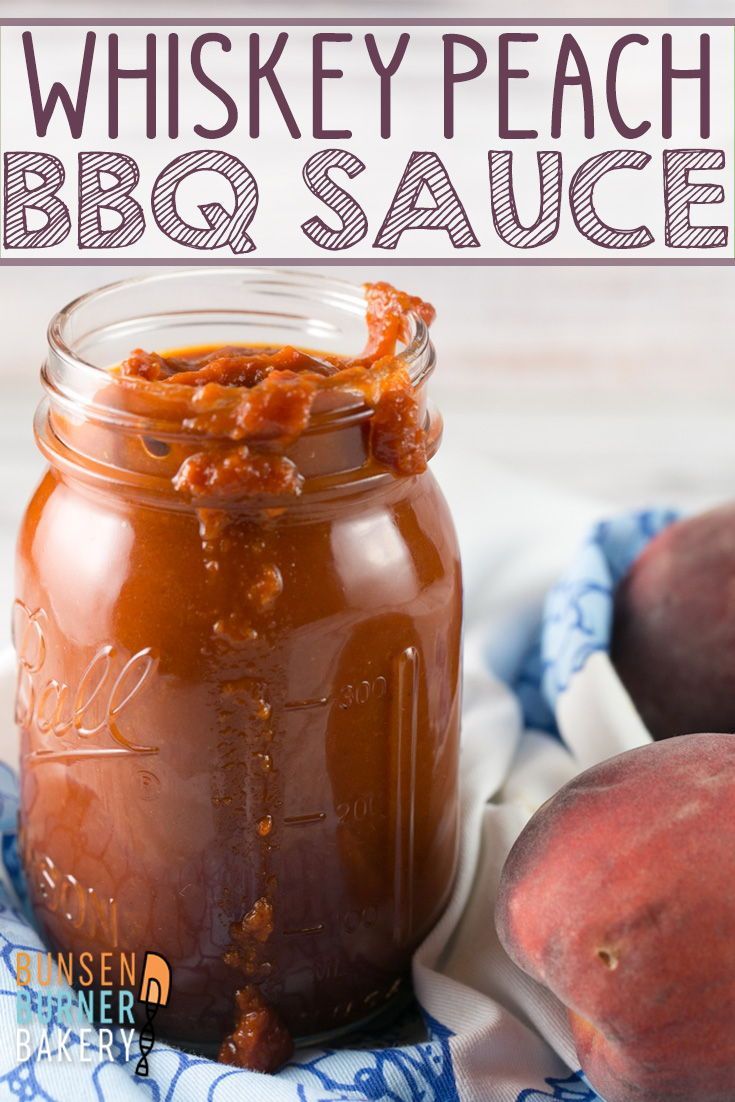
(613, 382)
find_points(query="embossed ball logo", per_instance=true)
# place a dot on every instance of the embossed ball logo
(82, 719)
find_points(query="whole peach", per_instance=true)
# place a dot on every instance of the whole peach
(619, 896)
(673, 639)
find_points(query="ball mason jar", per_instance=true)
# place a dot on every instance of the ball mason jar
(175, 776)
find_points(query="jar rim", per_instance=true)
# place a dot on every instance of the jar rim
(417, 355)
(85, 343)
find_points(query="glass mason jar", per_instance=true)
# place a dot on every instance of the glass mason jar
(176, 776)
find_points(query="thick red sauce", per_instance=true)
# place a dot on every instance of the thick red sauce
(262, 398)
(239, 696)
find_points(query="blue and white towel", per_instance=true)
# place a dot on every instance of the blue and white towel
(487, 1033)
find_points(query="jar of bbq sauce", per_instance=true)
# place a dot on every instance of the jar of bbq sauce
(238, 634)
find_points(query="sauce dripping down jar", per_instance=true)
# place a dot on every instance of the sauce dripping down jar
(237, 705)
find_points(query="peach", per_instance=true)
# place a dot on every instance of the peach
(673, 639)
(619, 896)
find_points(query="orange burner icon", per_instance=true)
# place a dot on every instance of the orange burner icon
(155, 986)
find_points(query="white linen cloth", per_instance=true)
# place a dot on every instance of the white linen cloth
(491, 1034)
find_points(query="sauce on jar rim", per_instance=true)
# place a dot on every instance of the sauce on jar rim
(262, 398)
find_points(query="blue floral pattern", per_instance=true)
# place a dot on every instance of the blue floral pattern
(385, 1072)
(577, 617)
(411, 1074)
(390, 1068)
(573, 1089)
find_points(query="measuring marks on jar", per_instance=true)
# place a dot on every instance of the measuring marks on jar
(310, 819)
(307, 820)
(400, 689)
(292, 821)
